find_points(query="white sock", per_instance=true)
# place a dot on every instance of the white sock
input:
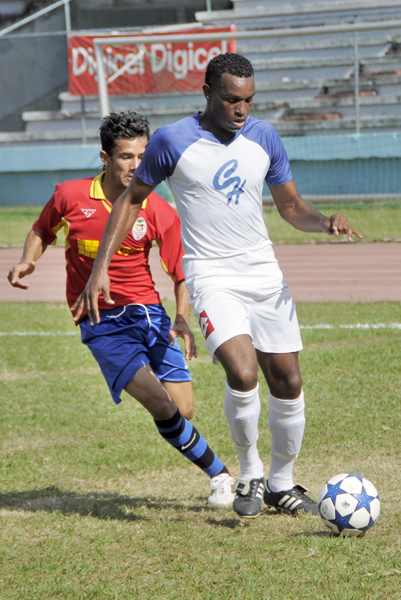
(287, 424)
(242, 411)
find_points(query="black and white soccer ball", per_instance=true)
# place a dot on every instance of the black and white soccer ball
(349, 504)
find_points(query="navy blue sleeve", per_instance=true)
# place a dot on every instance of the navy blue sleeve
(279, 171)
(158, 162)
(266, 136)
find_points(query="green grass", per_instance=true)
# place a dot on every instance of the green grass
(94, 504)
(15, 223)
(375, 220)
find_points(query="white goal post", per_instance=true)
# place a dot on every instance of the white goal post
(141, 40)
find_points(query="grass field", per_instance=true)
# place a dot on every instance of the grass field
(95, 505)
(375, 220)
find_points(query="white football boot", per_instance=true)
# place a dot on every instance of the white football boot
(222, 490)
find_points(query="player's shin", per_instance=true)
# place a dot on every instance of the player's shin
(181, 434)
(242, 412)
(287, 424)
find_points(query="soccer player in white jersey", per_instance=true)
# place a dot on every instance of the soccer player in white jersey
(216, 163)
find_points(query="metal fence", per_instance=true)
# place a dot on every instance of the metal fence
(33, 51)
(34, 66)
(311, 84)
(354, 29)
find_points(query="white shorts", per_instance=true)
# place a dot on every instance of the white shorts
(271, 321)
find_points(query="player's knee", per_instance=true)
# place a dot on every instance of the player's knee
(243, 379)
(187, 412)
(163, 411)
(294, 384)
(289, 385)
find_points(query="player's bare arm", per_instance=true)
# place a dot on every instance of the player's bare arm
(33, 250)
(302, 215)
(122, 218)
(181, 323)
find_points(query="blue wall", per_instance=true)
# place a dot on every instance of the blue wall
(335, 164)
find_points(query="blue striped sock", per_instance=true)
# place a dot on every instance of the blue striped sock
(181, 434)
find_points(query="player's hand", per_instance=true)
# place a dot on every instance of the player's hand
(338, 224)
(18, 272)
(181, 329)
(98, 285)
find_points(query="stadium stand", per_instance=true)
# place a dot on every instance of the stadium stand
(310, 80)
(304, 85)
(305, 88)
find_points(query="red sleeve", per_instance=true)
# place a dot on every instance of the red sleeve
(50, 220)
(168, 236)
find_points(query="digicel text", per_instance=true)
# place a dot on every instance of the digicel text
(178, 61)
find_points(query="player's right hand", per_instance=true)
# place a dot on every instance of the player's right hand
(98, 285)
(21, 270)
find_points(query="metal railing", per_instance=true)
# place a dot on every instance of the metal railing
(41, 13)
(237, 35)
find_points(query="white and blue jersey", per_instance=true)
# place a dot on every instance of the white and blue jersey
(217, 186)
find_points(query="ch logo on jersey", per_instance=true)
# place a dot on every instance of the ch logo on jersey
(88, 211)
(222, 180)
(139, 229)
(205, 324)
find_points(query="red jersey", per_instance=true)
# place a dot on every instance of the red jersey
(81, 208)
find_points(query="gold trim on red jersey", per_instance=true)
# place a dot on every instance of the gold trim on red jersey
(63, 224)
(165, 269)
(96, 192)
(88, 248)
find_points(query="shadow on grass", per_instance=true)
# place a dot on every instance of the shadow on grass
(92, 504)
(105, 506)
(313, 534)
(232, 523)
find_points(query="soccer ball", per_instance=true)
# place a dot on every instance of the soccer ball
(349, 504)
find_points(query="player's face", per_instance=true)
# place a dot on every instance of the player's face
(229, 103)
(124, 161)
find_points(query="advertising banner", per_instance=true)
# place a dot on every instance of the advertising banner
(158, 68)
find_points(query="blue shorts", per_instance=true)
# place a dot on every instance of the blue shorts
(131, 337)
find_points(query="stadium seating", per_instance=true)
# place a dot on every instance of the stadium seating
(305, 85)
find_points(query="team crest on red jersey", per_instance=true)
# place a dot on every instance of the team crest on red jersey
(205, 324)
(139, 229)
(88, 211)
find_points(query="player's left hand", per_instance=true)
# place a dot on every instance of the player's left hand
(338, 224)
(181, 329)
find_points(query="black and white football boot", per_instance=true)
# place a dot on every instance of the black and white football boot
(249, 493)
(291, 502)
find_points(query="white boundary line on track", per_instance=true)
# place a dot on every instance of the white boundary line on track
(321, 326)
(355, 326)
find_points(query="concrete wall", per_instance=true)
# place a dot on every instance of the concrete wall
(321, 165)
(28, 175)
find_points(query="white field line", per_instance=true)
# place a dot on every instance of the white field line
(321, 326)
(355, 326)
(44, 333)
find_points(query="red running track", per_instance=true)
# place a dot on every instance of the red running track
(337, 272)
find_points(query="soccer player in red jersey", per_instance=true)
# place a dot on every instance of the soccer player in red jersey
(135, 342)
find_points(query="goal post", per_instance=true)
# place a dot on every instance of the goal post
(167, 69)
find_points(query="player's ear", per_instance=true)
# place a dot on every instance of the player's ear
(207, 90)
(105, 158)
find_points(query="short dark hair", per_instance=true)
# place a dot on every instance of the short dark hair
(128, 125)
(234, 64)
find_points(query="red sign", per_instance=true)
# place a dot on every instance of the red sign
(158, 68)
